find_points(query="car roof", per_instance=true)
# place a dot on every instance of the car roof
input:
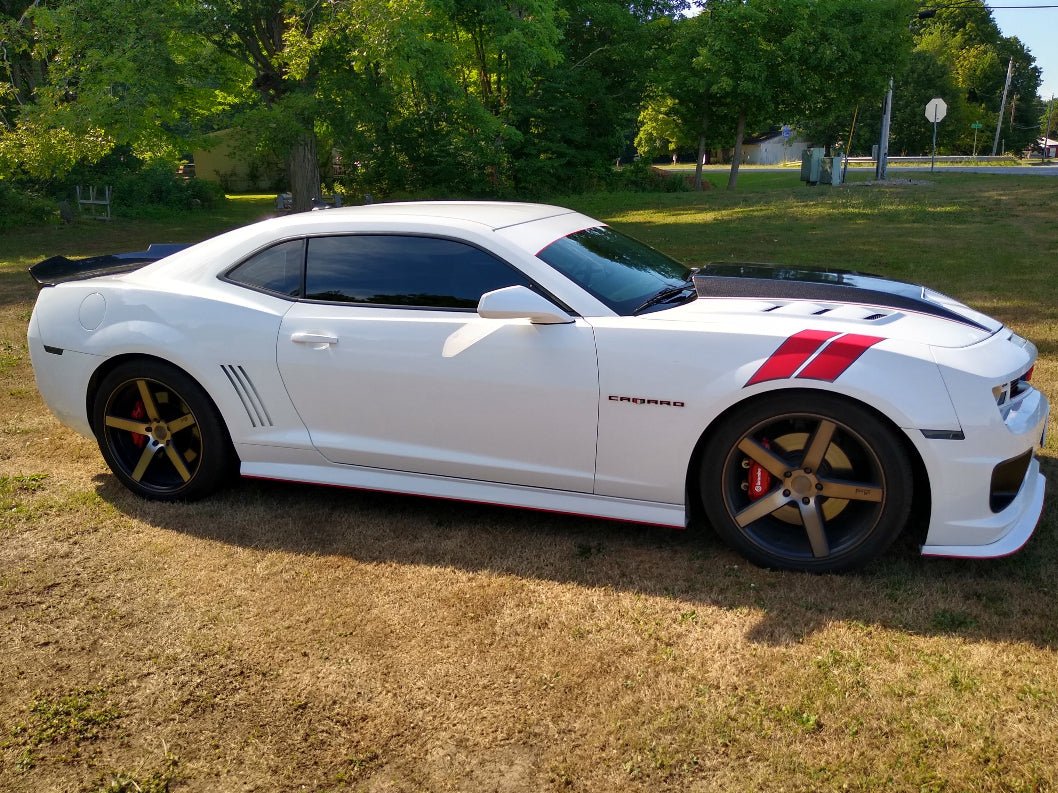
(529, 226)
(491, 214)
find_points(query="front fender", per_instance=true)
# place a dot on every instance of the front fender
(670, 388)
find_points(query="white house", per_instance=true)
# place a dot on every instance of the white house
(773, 149)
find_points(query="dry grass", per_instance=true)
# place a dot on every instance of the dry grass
(291, 638)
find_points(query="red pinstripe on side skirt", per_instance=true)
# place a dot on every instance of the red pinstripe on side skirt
(791, 355)
(838, 356)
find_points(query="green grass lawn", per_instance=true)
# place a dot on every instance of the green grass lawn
(293, 638)
(989, 240)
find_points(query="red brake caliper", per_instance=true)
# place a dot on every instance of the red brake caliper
(139, 412)
(759, 478)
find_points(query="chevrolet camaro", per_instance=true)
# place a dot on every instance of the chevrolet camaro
(531, 356)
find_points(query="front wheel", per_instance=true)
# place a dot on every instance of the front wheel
(160, 433)
(806, 482)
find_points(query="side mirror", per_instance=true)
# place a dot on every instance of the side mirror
(520, 302)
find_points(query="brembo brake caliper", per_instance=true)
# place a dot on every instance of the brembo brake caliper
(139, 412)
(758, 479)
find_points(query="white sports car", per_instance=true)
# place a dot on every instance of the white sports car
(529, 355)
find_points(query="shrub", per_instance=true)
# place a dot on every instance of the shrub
(640, 177)
(21, 207)
(140, 188)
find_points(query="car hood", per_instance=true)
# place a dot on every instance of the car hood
(860, 302)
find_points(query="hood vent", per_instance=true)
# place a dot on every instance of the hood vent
(248, 395)
(854, 313)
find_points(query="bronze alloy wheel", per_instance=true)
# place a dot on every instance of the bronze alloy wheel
(159, 432)
(806, 482)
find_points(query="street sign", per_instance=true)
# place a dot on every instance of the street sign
(977, 125)
(786, 131)
(936, 110)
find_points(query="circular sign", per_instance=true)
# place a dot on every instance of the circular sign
(936, 109)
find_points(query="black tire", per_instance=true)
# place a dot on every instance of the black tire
(183, 451)
(840, 484)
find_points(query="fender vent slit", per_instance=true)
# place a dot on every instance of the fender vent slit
(248, 395)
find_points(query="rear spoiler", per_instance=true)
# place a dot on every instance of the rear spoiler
(59, 269)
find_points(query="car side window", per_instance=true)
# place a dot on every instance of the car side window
(276, 269)
(395, 270)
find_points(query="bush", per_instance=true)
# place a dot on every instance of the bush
(140, 188)
(20, 207)
(158, 186)
(640, 177)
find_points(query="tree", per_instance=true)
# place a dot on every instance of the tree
(661, 130)
(924, 78)
(446, 97)
(579, 115)
(279, 42)
(92, 75)
(754, 63)
(30, 147)
(682, 104)
(967, 40)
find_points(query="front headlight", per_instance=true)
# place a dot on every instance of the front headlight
(1008, 394)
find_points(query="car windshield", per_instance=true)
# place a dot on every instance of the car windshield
(621, 272)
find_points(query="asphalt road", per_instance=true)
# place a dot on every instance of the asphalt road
(895, 171)
(1008, 170)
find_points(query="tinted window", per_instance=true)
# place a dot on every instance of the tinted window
(276, 269)
(618, 270)
(403, 271)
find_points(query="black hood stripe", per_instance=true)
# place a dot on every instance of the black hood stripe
(830, 286)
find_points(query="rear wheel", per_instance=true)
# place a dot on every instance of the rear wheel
(806, 482)
(160, 433)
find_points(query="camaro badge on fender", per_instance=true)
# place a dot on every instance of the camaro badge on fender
(671, 403)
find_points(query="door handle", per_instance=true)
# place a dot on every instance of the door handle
(321, 339)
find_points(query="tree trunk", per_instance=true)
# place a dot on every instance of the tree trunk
(736, 157)
(304, 171)
(701, 153)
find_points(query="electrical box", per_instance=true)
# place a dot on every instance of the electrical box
(811, 165)
(830, 171)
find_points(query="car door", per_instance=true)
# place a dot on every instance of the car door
(390, 366)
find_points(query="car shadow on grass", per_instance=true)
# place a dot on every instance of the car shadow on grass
(1008, 599)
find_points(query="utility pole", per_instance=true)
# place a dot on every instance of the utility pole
(852, 131)
(1002, 106)
(1047, 134)
(882, 165)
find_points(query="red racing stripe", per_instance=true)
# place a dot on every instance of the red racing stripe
(791, 355)
(837, 357)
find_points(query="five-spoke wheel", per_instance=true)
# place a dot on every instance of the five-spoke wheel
(159, 432)
(806, 482)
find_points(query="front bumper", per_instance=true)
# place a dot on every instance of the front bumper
(962, 521)
(1026, 509)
